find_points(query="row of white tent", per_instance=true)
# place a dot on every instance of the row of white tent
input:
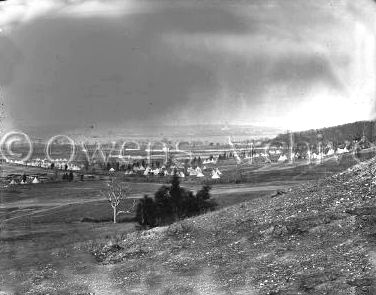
(212, 161)
(34, 181)
(315, 156)
(46, 164)
(215, 174)
(330, 152)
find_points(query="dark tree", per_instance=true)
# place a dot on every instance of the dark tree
(146, 212)
(190, 204)
(176, 196)
(164, 206)
(70, 176)
(204, 200)
(172, 203)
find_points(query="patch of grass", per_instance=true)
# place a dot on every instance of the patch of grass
(121, 219)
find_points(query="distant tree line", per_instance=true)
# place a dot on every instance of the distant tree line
(337, 135)
(172, 203)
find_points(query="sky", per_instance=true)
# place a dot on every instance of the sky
(67, 64)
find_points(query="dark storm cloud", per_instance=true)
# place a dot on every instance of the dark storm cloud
(197, 19)
(303, 69)
(163, 61)
(83, 71)
(10, 57)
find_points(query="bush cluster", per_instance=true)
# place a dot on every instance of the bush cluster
(172, 203)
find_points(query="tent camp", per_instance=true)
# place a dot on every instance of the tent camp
(35, 180)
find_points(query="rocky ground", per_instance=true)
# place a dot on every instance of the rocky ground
(315, 238)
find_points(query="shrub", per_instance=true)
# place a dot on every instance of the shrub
(173, 203)
(146, 213)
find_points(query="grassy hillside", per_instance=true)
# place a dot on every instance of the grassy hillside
(336, 134)
(317, 238)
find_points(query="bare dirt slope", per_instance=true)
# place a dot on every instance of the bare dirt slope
(318, 238)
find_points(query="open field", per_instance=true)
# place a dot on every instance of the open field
(45, 246)
(41, 223)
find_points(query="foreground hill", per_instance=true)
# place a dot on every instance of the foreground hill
(317, 238)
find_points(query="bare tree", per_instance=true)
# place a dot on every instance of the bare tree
(116, 192)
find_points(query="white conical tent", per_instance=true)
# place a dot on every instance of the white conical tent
(199, 174)
(192, 173)
(215, 176)
(282, 158)
(35, 180)
(142, 168)
(340, 151)
(23, 182)
(13, 182)
(330, 152)
(112, 170)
